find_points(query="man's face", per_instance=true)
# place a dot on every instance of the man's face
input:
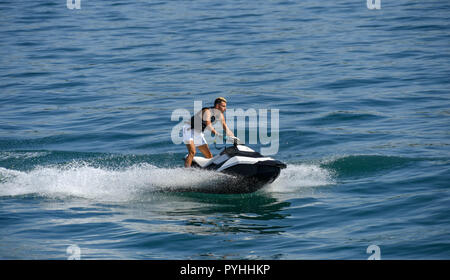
(222, 106)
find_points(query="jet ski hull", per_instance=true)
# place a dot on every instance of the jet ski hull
(249, 170)
(246, 178)
(256, 177)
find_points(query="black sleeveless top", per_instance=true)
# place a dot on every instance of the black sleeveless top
(213, 118)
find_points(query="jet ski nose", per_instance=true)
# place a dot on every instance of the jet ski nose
(275, 163)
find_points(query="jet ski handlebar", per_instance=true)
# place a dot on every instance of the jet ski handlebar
(236, 141)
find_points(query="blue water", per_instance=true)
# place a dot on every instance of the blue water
(85, 122)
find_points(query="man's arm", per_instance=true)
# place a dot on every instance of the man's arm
(225, 127)
(207, 117)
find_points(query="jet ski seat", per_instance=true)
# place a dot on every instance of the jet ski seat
(203, 162)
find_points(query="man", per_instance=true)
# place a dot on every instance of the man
(193, 135)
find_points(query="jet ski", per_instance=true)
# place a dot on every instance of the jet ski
(249, 170)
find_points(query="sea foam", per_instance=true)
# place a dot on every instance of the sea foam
(80, 179)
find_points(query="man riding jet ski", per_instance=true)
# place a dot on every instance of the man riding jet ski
(250, 170)
(193, 132)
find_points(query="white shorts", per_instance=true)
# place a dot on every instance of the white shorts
(193, 135)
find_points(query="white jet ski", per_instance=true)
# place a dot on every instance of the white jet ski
(250, 169)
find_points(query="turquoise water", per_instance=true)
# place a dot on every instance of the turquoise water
(85, 128)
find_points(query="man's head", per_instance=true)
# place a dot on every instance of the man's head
(221, 104)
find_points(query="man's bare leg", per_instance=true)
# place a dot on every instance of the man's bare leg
(191, 153)
(205, 151)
